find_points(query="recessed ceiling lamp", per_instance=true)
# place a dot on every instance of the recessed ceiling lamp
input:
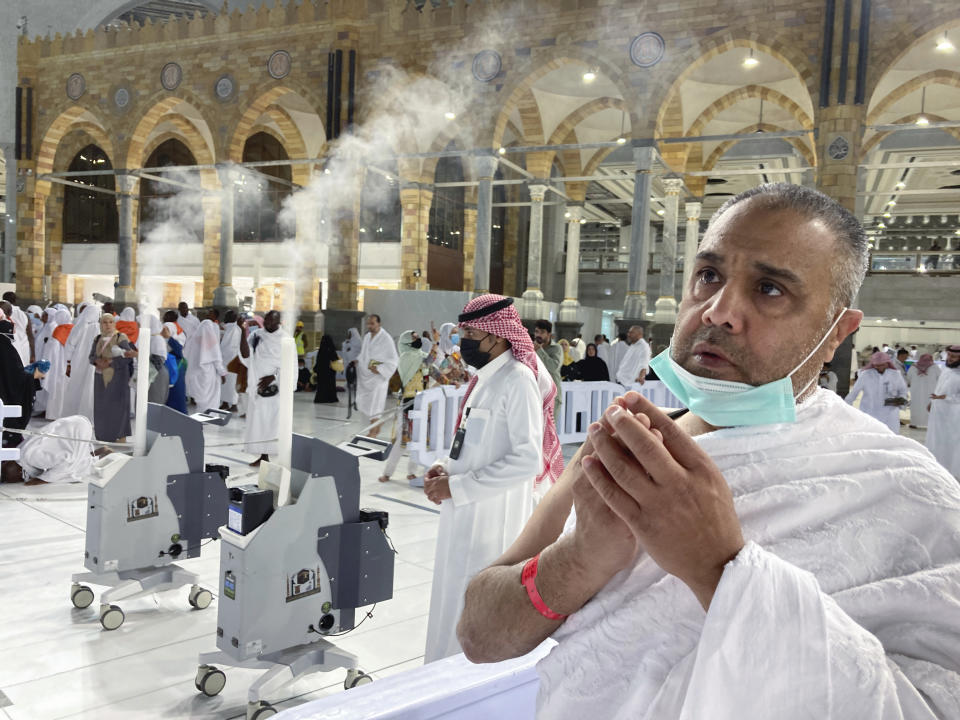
(922, 120)
(589, 76)
(450, 115)
(944, 45)
(750, 61)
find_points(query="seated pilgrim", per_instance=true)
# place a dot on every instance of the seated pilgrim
(772, 552)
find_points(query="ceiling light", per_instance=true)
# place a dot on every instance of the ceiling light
(660, 212)
(881, 226)
(502, 151)
(956, 232)
(922, 120)
(945, 45)
(886, 215)
(750, 61)
(891, 203)
(621, 141)
(589, 76)
(900, 185)
(566, 215)
(450, 115)
(583, 221)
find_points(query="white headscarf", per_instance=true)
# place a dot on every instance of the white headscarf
(446, 343)
(158, 343)
(204, 345)
(351, 346)
(128, 315)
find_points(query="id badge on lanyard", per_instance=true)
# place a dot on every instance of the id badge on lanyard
(458, 438)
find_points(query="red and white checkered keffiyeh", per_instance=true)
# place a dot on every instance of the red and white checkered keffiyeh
(505, 322)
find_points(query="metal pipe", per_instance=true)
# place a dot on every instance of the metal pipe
(71, 183)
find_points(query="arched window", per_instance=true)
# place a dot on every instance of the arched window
(90, 216)
(171, 213)
(258, 199)
(446, 210)
(380, 212)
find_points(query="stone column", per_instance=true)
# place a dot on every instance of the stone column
(635, 303)
(486, 167)
(471, 250)
(31, 245)
(225, 296)
(8, 260)
(210, 263)
(414, 223)
(343, 263)
(511, 250)
(570, 307)
(533, 296)
(126, 293)
(691, 239)
(666, 307)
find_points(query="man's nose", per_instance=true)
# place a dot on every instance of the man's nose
(726, 308)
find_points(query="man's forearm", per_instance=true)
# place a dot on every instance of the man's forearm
(499, 621)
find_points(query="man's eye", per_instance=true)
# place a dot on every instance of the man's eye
(770, 289)
(708, 276)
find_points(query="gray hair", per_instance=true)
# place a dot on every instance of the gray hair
(850, 265)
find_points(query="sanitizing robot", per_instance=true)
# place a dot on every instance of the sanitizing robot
(146, 512)
(297, 558)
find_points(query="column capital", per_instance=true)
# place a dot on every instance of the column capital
(537, 192)
(574, 213)
(485, 166)
(693, 209)
(672, 185)
(643, 156)
(126, 182)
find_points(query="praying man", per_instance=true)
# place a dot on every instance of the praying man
(771, 552)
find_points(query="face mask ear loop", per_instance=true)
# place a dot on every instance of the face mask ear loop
(822, 341)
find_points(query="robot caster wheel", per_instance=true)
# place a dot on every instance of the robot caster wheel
(111, 617)
(260, 710)
(200, 598)
(356, 678)
(81, 596)
(210, 681)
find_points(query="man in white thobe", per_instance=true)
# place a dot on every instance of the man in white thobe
(78, 399)
(754, 556)
(485, 487)
(229, 349)
(376, 364)
(945, 414)
(884, 390)
(922, 380)
(22, 328)
(262, 359)
(187, 321)
(633, 366)
(828, 378)
(205, 367)
(604, 353)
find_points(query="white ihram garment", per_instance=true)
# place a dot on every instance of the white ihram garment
(371, 386)
(603, 352)
(78, 399)
(205, 366)
(942, 436)
(188, 323)
(491, 485)
(634, 360)
(922, 386)
(55, 383)
(262, 412)
(42, 347)
(229, 349)
(877, 387)
(58, 460)
(845, 603)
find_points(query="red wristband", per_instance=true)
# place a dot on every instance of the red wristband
(528, 580)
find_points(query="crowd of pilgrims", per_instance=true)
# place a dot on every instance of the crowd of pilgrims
(80, 372)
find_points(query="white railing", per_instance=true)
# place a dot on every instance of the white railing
(435, 412)
(11, 411)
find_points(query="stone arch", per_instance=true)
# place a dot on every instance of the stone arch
(805, 151)
(907, 121)
(704, 52)
(924, 28)
(570, 122)
(950, 78)
(289, 137)
(72, 117)
(266, 101)
(159, 112)
(744, 93)
(80, 135)
(429, 167)
(547, 62)
(531, 122)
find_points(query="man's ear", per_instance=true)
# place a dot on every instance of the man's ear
(848, 324)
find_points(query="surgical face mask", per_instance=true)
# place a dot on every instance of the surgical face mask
(472, 354)
(455, 339)
(724, 403)
(418, 343)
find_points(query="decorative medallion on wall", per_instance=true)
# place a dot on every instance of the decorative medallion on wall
(170, 76)
(121, 98)
(647, 49)
(839, 148)
(279, 64)
(486, 65)
(224, 87)
(76, 86)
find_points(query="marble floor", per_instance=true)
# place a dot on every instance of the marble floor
(56, 662)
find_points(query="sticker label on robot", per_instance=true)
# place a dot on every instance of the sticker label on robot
(230, 585)
(302, 583)
(142, 508)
